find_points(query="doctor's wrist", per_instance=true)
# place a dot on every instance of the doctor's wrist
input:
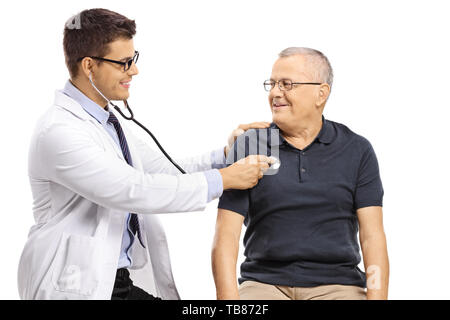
(225, 178)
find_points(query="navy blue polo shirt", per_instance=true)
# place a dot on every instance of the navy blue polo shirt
(301, 221)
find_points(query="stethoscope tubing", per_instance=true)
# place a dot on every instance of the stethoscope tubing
(131, 117)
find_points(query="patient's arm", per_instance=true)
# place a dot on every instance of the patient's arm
(224, 253)
(374, 249)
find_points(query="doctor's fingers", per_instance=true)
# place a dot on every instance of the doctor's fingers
(263, 166)
(236, 133)
(256, 159)
(244, 127)
(254, 125)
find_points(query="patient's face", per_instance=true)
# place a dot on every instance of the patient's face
(298, 104)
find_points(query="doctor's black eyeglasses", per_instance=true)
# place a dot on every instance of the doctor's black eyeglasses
(126, 65)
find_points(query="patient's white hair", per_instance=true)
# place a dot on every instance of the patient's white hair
(320, 66)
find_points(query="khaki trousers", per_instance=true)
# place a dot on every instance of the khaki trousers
(252, 290)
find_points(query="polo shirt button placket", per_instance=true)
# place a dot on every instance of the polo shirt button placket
(302, 169)
(302, 162)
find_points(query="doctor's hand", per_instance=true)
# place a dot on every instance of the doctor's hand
(240, 130)
(245, 173)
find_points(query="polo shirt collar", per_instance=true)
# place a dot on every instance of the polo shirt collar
(326, 134)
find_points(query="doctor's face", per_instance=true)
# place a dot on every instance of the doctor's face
(291, 107)
(110, 78)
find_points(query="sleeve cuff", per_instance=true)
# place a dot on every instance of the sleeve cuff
(218, 160)
(215, 184)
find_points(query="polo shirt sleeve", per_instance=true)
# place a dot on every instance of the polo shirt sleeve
(369, 189)
(231, 199)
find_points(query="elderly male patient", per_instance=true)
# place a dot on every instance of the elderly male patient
(302, 220)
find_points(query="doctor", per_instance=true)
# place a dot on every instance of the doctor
(96, 187)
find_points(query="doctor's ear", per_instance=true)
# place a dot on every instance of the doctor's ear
(87, 64)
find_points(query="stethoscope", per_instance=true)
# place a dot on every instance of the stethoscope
(131, 117)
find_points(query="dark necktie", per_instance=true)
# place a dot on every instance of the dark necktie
(134, 221)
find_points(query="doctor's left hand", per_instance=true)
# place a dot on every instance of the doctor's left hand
(241, 129)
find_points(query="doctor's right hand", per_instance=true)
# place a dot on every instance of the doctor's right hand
(245, 173)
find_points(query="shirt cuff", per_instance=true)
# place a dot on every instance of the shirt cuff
(215, 184)
(218, 160)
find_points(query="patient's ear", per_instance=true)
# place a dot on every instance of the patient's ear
(323, 93)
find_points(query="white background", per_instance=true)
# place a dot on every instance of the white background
(202, 65)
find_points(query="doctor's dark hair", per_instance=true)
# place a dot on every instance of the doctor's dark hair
(89, 33)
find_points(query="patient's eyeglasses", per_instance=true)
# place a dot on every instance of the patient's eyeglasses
(284, 84)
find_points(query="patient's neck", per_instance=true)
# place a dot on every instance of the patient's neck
(300, 135)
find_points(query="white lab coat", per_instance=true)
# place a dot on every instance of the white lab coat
(82, 190)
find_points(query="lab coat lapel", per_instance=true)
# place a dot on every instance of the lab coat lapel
(67, 103)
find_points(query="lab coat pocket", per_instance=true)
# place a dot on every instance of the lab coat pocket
(75, 267)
